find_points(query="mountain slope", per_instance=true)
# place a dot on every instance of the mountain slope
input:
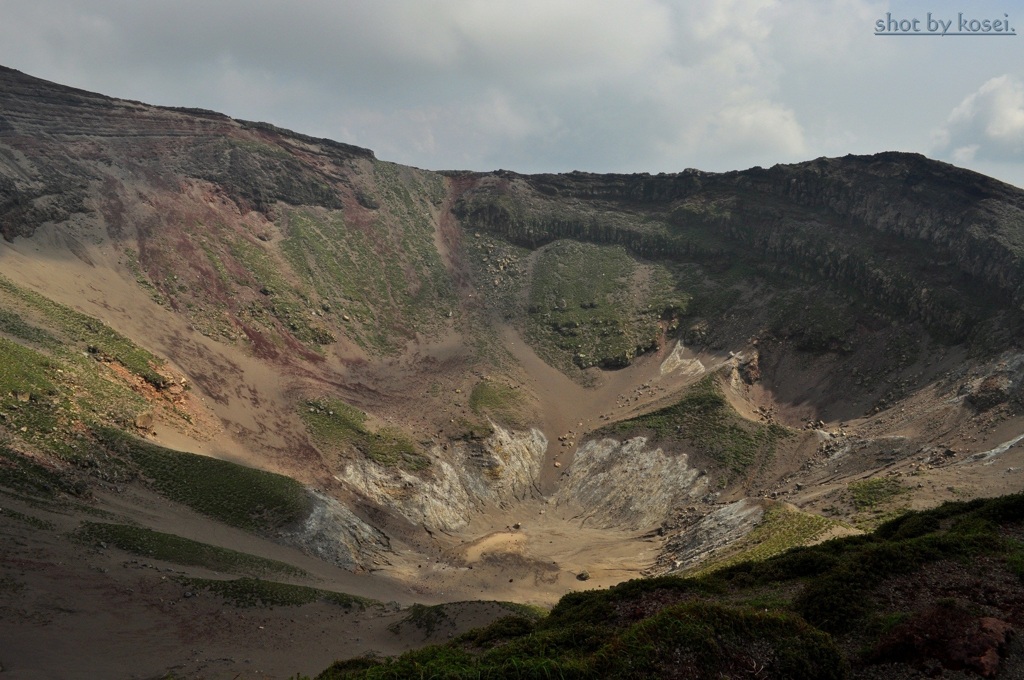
(489, 384)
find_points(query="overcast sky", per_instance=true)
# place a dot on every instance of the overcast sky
(558, 85)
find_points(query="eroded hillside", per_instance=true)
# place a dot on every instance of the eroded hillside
(487, 385)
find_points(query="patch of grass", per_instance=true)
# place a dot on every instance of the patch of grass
(252, 592)
(92, 333)
(335, 424)
(499, 401)
(390, 447)
(12, 324)
(20, 473)
(594, 305)
(388, 278)
(290, 305)
(35, 402)
(244, 497)
(34, 522)
(132, 262)
(172, 548)
(422, 617)
(780, 529)
(217, 263)
(870, 493)
(25, 371)
(705, 418)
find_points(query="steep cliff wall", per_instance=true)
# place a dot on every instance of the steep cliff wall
(918, 237)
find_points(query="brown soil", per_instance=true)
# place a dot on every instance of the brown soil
(123, 619)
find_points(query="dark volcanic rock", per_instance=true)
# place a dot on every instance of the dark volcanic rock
(917, 237)
(59, 144)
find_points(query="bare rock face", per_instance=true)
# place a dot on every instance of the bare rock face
(715, 531)
(335, 534)
(991, 391)
(997, 383)
(57, 126)
(629, 484)
(462, 480)
(829, 220)
(750, 369)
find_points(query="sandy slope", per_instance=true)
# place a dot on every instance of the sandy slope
(123, 619)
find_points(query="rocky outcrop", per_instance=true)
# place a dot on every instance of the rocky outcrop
(335, 534)
(750, 368)
(463, 480)
(59, 148)
(917, 237)
(628, 484)
(995, 383)
(714, 532)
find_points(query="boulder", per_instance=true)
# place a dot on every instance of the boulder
(750, 370)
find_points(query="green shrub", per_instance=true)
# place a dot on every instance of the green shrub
(710, 641)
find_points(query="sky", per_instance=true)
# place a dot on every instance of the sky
(560, 85)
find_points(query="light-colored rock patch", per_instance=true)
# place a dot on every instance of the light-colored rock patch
(463, 479)
(334, 534)
(714, 532)
(628, 484)
(677, 360)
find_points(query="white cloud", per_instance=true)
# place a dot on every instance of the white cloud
(987, 125)
(761, 128)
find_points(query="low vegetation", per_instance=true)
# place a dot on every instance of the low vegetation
(595, 305)
(870, 493)
(32, 521)
(876, 501)
(81, 330)
(339, 426)
(243, 497)
(20, 473)
(821, 611)
(64, 372)
(253, 592)
(498, 401)
(704, 418)
(781, 529)
(428, 619)
(158, 545)
(384, 283)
